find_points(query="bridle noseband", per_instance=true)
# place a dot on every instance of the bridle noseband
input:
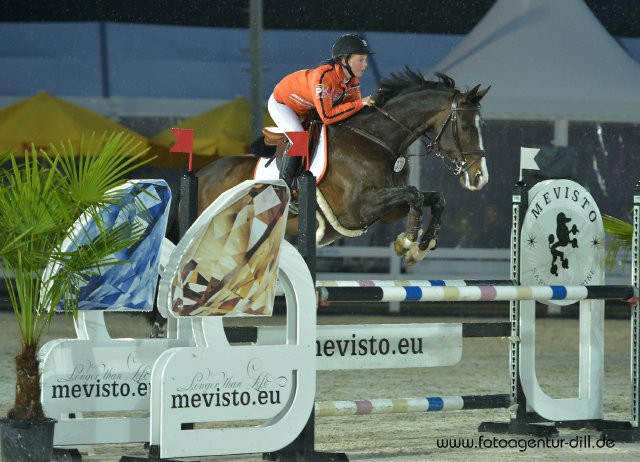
(457, 166)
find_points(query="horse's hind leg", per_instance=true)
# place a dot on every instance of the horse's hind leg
(416, 251)
(391, 204)
(405, 244)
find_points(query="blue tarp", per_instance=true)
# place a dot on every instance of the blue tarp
(156, 61)
(63, 59)
(181, 62)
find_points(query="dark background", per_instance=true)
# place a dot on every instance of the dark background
(619, 17)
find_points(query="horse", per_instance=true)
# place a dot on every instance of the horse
(366, 180)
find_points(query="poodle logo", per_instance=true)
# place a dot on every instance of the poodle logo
(561, 239)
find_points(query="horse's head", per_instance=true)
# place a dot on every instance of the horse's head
(460, 138)
(416, 106)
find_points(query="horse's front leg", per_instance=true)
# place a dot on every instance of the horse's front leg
(436, 203)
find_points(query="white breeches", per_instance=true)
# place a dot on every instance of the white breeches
(285, 118)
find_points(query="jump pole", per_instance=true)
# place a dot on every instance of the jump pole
(474, 293)
(408, 405)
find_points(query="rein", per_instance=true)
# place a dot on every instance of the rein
(373, 138)
(456, 166)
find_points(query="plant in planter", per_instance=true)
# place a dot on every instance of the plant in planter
(40, 200)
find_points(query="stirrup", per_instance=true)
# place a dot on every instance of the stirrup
(293, 208)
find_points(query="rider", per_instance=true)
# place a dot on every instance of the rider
(332, 89)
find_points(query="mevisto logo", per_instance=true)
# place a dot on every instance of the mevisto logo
(562, 238)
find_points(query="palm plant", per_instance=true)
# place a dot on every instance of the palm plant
(40, 200)
(621, 233)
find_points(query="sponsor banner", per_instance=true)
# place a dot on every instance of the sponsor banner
(381, 346)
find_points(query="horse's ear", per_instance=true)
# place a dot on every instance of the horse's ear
(481, 93)
(470, 96)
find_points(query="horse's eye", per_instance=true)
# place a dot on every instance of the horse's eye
(465, 127)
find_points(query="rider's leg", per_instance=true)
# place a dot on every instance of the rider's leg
(287, 120)
(289, 169)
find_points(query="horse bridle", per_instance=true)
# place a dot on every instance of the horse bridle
(458, 165)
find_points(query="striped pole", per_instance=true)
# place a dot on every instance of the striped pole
(474, 293)
(407, 405)
(405, 283)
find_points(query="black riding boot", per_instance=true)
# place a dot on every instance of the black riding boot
(289, 169)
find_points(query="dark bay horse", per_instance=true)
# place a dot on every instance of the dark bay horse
(365, 180)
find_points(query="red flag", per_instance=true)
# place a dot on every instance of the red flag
(184, 142)
(299, 145)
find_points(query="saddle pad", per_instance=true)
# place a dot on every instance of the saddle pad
(318, 162)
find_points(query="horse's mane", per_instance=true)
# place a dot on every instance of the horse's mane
(409, 81)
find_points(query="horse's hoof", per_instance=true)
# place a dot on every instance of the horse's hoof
(401, 245)
(409, 260)
(414, 254)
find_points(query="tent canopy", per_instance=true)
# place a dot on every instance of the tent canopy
(45, 119)
(547, 60)
(223, 131)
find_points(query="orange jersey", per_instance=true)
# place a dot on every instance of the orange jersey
(322, 88)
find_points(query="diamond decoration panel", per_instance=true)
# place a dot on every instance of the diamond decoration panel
(232, 265)
(131, 285)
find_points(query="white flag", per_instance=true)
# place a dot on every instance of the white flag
(527, 159)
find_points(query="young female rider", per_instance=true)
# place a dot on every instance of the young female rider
(332, 89)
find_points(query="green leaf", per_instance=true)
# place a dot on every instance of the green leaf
(621, 233)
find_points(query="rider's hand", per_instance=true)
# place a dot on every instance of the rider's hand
(368, 101)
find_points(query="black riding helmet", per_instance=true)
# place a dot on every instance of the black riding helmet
(349, 44)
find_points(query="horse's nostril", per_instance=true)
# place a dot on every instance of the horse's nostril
(478, 179)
